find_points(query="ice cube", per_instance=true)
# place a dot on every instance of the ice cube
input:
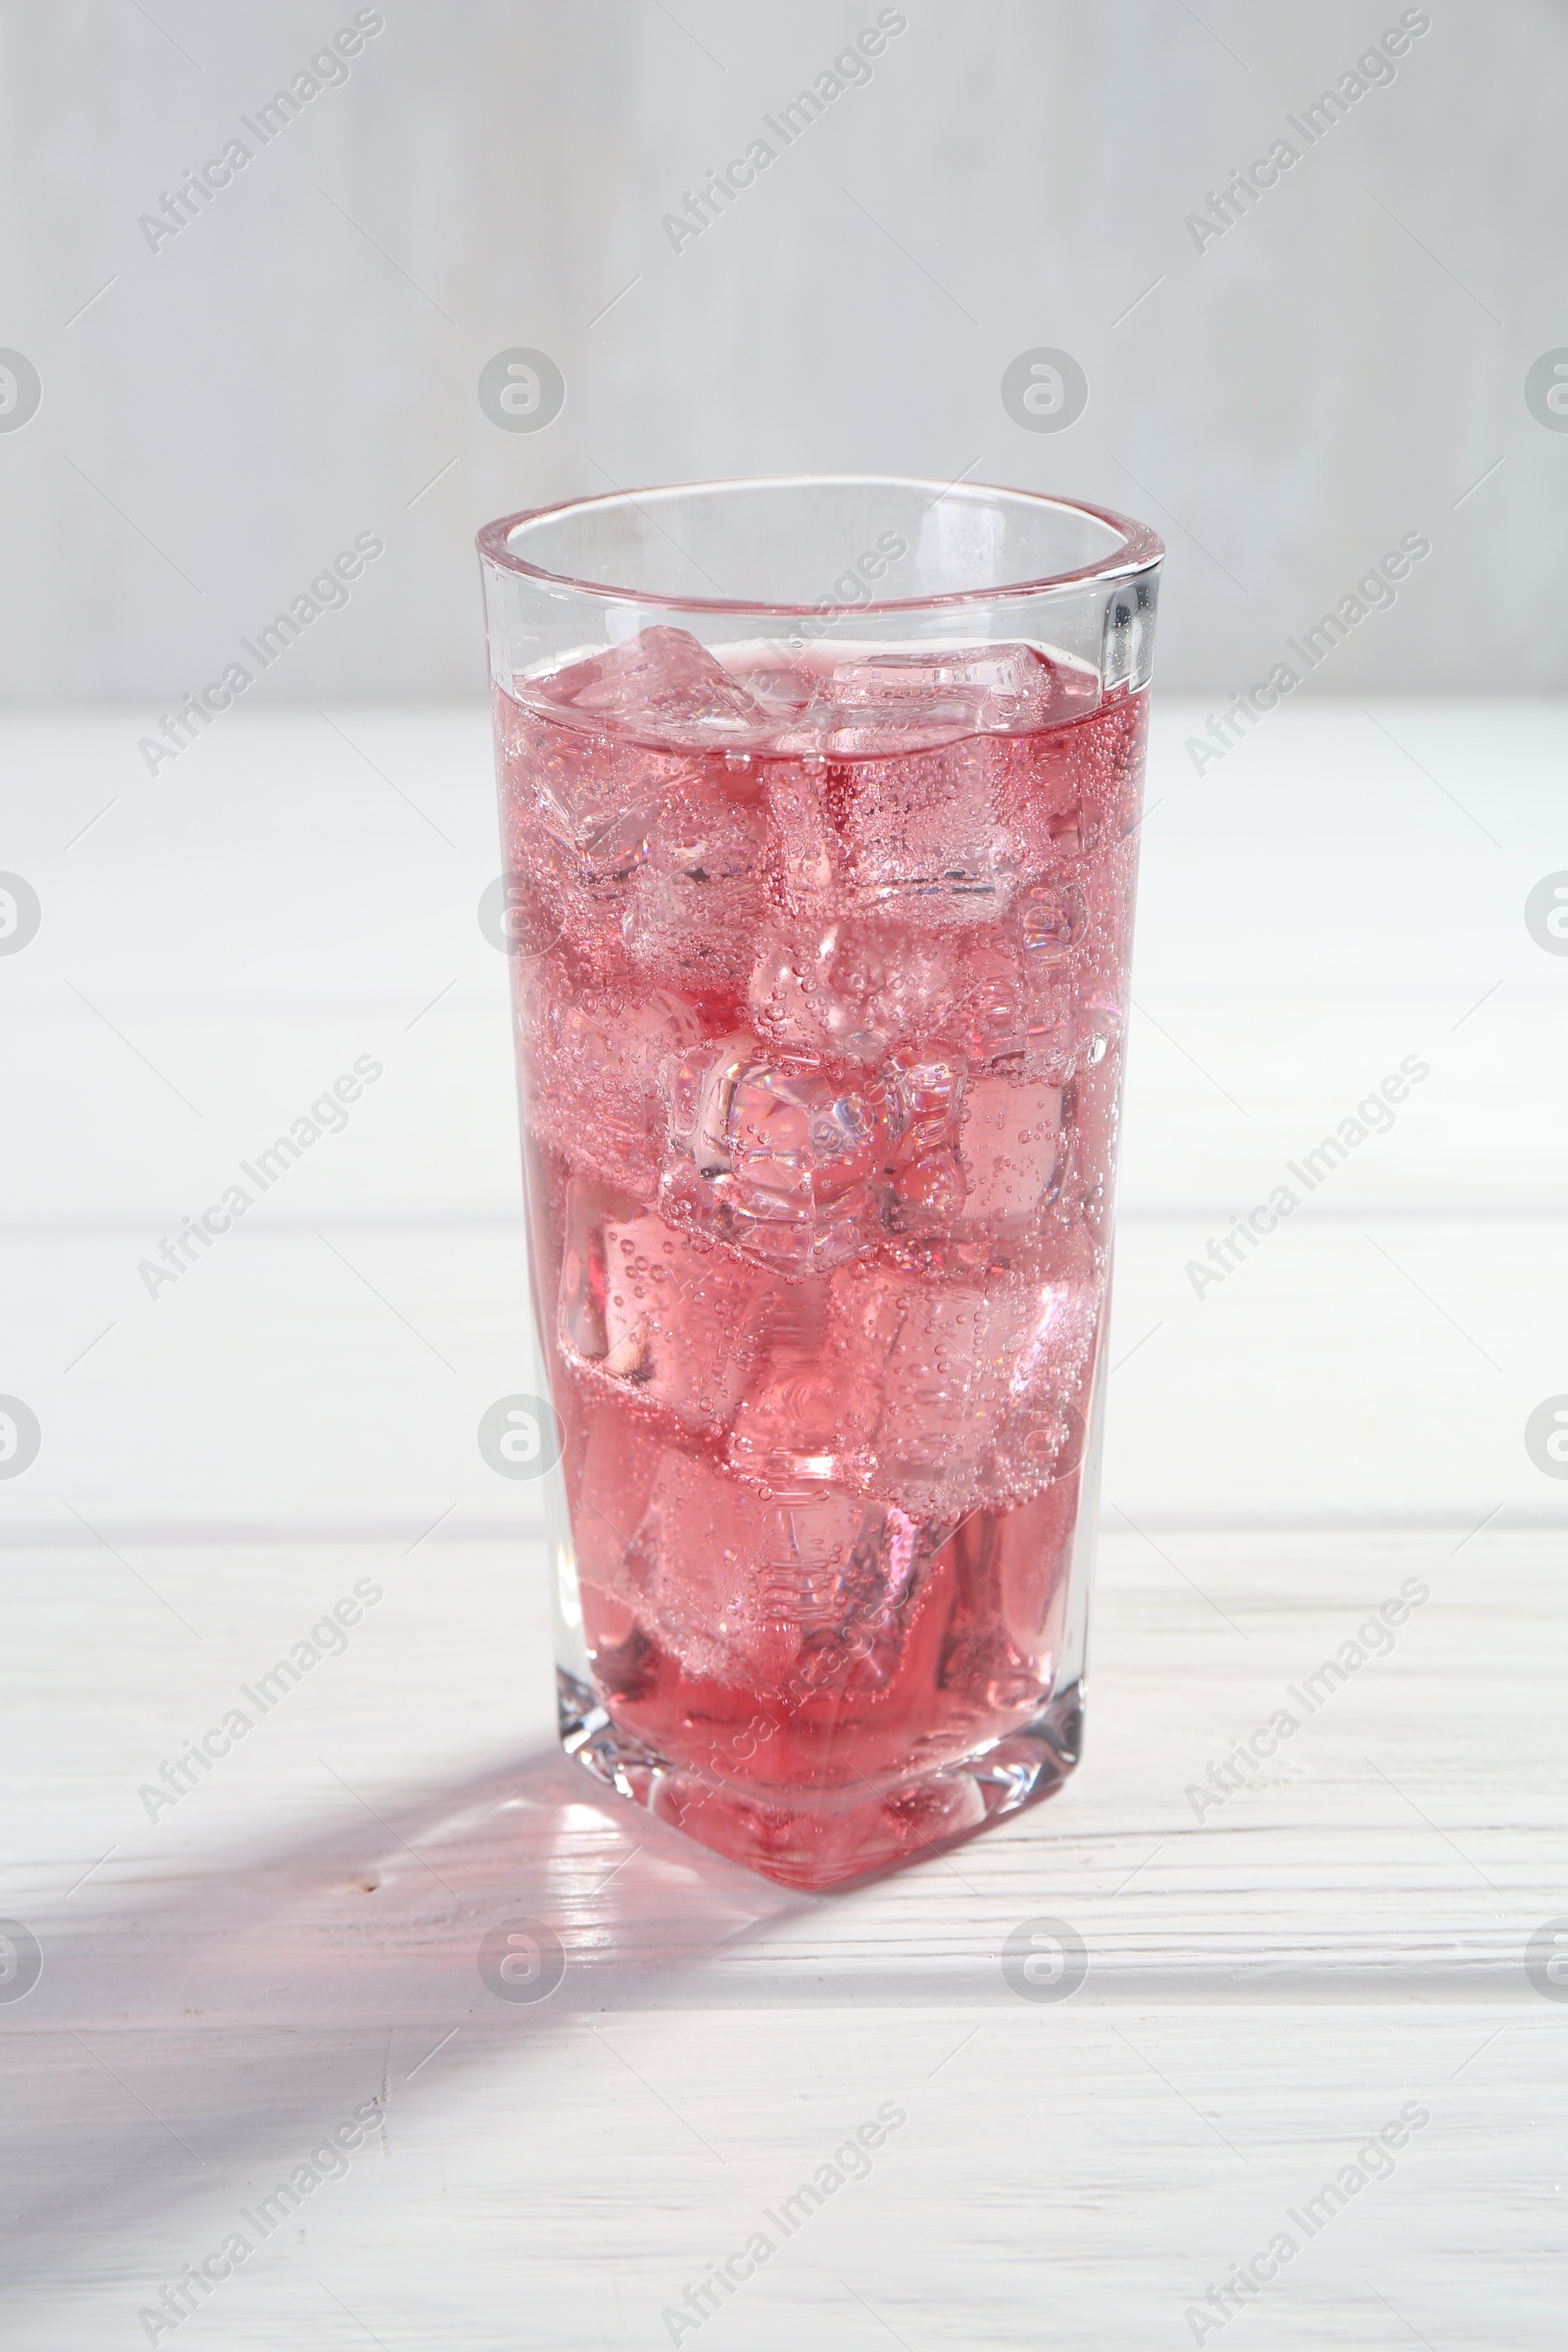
(1045, 932)
(928, 1189)
(1010, 1148)
(798, 1425)
(660, 687)
(1042, 1433)
(618, 1456)
(933, 1358)
(1051, 919)
(924, 1168)
(584, 1268)
(924, 835)
(790, 996)
(859, 987)
(1043, 1438)
(642, 1309)
(881, 1382)
(928, 1083)
(918, 836)
(886, 700)
(591, 1067)
(1071, 801)
(996, 1006)
(792, 1598)
(960, 1387)
(812, 853)
(854, 986)
(732, 1582)
(937, 783)
(585, 795)
(971, 1048)
(1096, 1094)
(697, 891)
(888, 1614)
(775, 1153)
(685, 1567)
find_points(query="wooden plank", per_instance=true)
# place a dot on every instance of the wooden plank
(1285, 1950)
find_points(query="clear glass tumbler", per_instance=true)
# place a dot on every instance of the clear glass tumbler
(820, 802)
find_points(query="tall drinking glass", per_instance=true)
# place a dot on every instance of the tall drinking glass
(818, 805)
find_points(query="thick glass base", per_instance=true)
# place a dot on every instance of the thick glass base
(842, 1835)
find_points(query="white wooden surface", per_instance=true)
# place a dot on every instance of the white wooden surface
(297, 1937)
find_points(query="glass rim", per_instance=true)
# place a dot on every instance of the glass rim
(1140, 549)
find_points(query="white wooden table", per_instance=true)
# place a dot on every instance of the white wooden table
(294, 1942)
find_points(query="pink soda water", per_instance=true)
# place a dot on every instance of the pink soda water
(819, 964)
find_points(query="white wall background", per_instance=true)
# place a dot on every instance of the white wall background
(298, 363)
